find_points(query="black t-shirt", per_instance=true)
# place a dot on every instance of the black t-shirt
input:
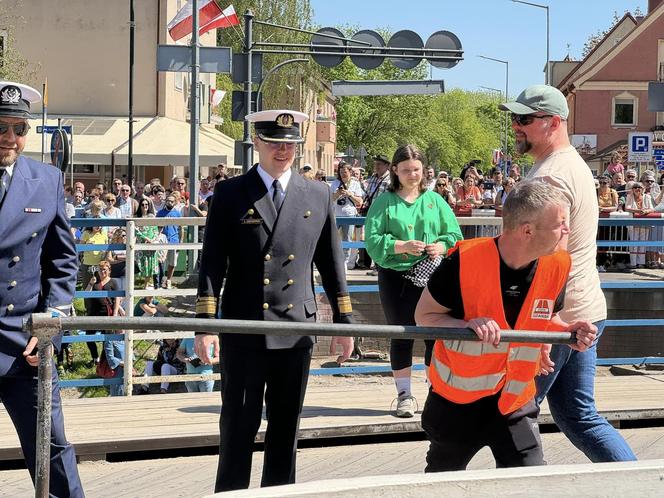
(96, 306)
(445, 287)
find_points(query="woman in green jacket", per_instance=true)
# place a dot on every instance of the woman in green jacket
(408, 231)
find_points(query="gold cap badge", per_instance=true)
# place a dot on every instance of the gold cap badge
(285, 120)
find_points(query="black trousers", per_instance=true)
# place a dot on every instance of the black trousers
(399, 298)
(18, 394)
(456, 432)
(247, 374)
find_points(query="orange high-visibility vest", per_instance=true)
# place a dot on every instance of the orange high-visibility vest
(465, 371)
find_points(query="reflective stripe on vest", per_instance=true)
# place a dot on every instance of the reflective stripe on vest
(475, 348)
(515, 387)
(525, 353)
(468, 384)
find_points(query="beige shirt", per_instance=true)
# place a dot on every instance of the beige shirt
(564, 169)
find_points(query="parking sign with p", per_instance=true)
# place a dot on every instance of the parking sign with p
(640, 146)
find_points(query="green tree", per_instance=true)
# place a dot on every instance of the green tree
(13, 66)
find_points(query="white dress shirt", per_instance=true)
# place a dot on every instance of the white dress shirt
(268, 180)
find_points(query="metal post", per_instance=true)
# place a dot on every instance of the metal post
(130, 151)
(247, 144)
(507, 114)
(44, 396)
(194, 117)
(129, 296)
(44, 119)
(548, 59)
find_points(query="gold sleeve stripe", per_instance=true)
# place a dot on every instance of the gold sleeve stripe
(344, 304)
(206, 305)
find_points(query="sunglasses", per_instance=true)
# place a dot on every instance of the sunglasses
(145, 205)
(650, 181)
(440, 184)
(525, 119)
(20, 129)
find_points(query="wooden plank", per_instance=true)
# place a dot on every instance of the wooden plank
(105, 425)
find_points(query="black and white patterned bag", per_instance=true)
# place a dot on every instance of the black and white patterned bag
(421, 272)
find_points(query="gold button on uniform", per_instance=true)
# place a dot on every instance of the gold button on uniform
(291, 257)
(16, 259)
(290, 306)
(12, 283)
(290, 281)
(250, 212)
(266, 306)
(10, 307)
(307, 214)
(34, 234)
(268, 257)
(266, 281)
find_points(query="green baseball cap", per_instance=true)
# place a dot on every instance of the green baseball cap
(539, 98)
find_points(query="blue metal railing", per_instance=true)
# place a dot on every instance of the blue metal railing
(372, 288)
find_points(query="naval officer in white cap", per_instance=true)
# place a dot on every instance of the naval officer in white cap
(38, 266)
(265, 230)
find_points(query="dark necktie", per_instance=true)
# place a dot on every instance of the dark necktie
(3, 190)
(277, 195)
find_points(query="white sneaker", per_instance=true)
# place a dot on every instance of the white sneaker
(406, 406)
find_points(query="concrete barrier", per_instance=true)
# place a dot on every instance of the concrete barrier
(626, 479)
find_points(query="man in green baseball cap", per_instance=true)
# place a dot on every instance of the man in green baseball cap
(539, 120)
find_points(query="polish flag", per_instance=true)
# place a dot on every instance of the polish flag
(226, 19)
(180, 25)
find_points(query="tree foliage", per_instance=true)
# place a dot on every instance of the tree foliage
(13, 66)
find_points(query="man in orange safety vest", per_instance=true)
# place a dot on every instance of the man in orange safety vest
(482, 392)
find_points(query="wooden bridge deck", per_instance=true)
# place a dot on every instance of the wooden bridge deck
(101, 426)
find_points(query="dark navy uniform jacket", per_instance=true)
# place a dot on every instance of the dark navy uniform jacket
(38, 262)
(266, 260)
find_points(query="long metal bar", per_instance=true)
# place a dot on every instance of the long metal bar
(405, 53)
(352, 50)
(38, 323)
(44, 390)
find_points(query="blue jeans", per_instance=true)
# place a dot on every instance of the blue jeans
(199, 386)
(117, 389)
(570, 390)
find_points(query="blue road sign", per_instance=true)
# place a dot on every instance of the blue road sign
(658, 157)
(51, 129)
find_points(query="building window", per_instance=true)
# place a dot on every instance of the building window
(625, 110)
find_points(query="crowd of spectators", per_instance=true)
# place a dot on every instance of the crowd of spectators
(622, 192)
(104, 269)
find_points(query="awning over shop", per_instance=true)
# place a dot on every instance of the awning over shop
(157, 141)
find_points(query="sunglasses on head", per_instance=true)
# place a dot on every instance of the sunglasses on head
(526, 119)
(20, 129)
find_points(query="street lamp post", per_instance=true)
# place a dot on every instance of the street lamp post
(507, 92)
(545, 7)
(503, 131)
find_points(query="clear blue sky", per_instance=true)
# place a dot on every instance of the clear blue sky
(495, 28)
